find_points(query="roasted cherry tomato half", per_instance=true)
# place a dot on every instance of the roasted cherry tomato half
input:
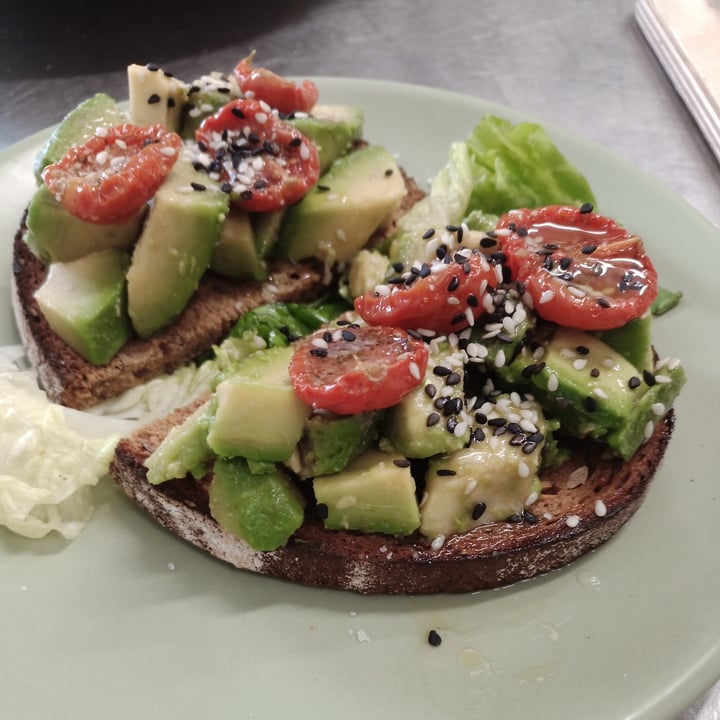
(285, 96)
(356, 369)
(109, 178)
(581, 269)
(443, 297)
(264, 162)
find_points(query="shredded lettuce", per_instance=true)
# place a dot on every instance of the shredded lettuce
(47, 469)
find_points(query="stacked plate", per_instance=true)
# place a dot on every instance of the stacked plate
(685, 37)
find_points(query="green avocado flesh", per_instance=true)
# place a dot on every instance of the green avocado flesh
(175, 247)
(85, 303)
(263, 509)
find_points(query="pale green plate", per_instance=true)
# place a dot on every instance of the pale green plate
(128, 621)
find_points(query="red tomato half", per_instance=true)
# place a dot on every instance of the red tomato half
(110, 177)
(357, 369)
(265, 162)
(443, 297)
(276, 91)
(581, 269)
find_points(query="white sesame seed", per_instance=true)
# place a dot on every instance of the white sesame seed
(572, 521)
(341, 235)
(600, 508)
(599, 392)
(319, 343)
(663, 379)
(415, 370)
(383, 290)
(460, 429)
(500, 358)
(523, 469)
(168, 151)
(548, 515)
(120, 143)
(102, 157)
(649, 429)
(658, 409)
(578, 476)
(469, 316)
(452, 300)
(304, 152)
(576, 291)
(553, 383)
(425, 332)
(437, 542)
(101, 131)
(531, 499)
(546, 296)
(470, 486)
(579, 363)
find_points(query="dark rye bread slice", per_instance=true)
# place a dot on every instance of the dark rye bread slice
(570, 521)
(70, 380)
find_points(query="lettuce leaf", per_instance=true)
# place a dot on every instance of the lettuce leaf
(516, 166)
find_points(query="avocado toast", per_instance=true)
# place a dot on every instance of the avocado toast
(428, 450)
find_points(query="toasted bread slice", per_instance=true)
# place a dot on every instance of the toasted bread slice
(72, 381)
(568, 521)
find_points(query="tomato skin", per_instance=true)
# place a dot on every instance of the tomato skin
(440, 301)
(276, 91)
(581, 269)
(92, 187)
(357, 369)
(251, 142)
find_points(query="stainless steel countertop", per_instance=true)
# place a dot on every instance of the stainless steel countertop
(582, 65)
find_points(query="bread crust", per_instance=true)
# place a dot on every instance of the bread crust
(489, 556)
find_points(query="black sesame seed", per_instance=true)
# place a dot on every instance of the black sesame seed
(327, 336)
(478, 435)
(434, 638)
(595, 372)
(515, 518)
(460, 317)
(441, 371)
(171, 102)
(649, 378)
(152, 67)
(565, 263)
(497, 422)
(154, 98)
(295, 142)
(319, 352)
(439, 403)
(401, 462)
(453, 284)
(603, 302)
(488, 242)
(590, 403)
(522, 232)
(226, 187)
(348, 335)
(389, 172)
(260, 185)
(199, 187)
(441, 252)
(453, 379)
(398, 267)
(246, 194)
(428, 233)
(536, 437)
(446, 472)
(586, 208)
(430, 390)
(238, 113)
(322, 511)
(529, 517)
(322, 188)
(480, 418)
(451, 424)
(472, 301)
(478, 510)
(432, 419)
(529, 447)
(582, 350)
(588, 249)
(634, 382)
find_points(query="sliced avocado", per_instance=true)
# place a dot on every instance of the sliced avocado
(352, 200)
(155, 96)
(77, 127)
(183, 450)
(633, 341)
(84, 302)
(263, 509)
(256, 413)
(235, 254)
(266, 230)
(490, 480)
(333, 129)
(56, 235)
(375, 493)
(428, 420)
(330, 442)
(206, 95)
(175, 246)
(369, 268)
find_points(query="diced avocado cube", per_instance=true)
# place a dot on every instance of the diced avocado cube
(263, 509)
(84, 302)
(183, 450)
(256, 413)
(369, 268)
(425, 422)
(375, 493)
(56, 235)
(235, 254)
(329, 442)
(175, 246)
(155, 97)
(335, 219)
(490, 480)
(333, 129)
(266, 230)
(78, 126)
